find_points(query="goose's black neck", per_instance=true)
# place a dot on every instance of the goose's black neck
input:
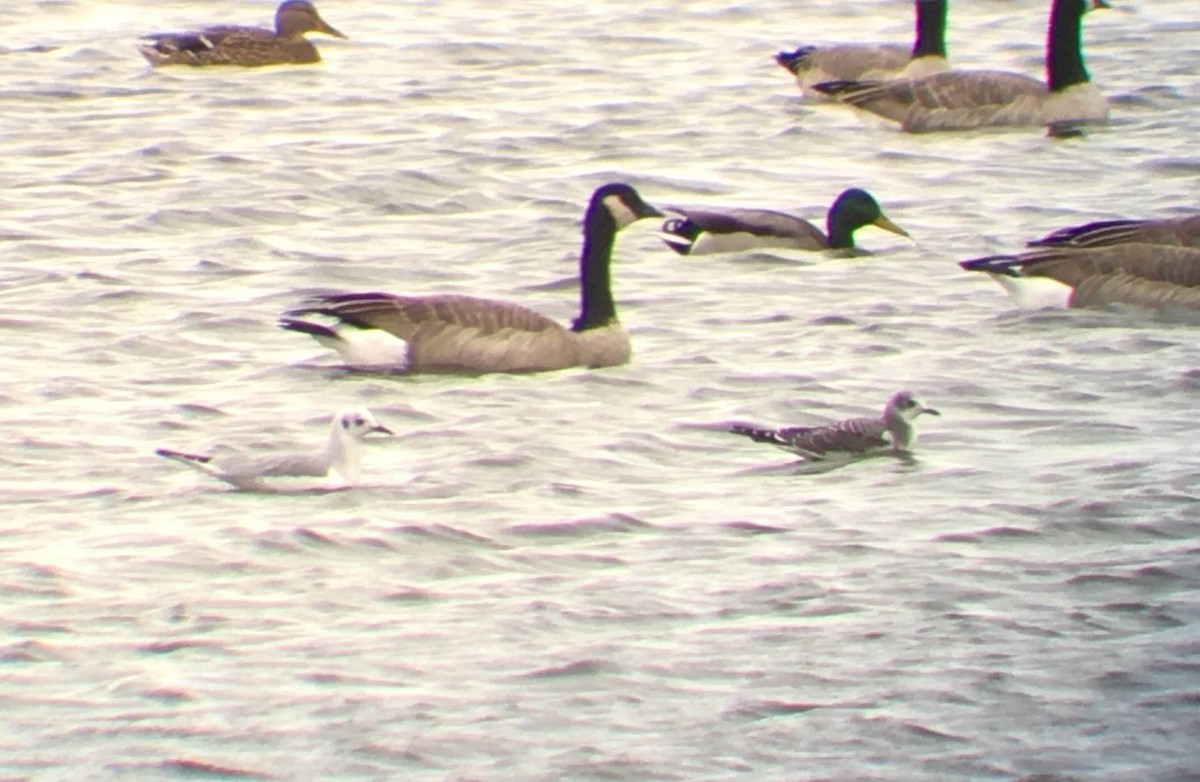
(931, 29)
(1064, 53)
(596, 306)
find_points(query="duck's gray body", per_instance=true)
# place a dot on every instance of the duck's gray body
(698, 231)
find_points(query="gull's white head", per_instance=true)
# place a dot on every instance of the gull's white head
(906, 406)
(357, 422)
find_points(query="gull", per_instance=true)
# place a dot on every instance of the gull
(892, 432)
(341, 455)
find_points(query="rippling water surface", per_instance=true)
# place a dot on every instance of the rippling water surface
(567, 576)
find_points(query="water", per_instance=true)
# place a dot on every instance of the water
(566, 576)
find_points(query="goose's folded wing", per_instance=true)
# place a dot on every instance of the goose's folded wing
(407, 317)
(1156, 263)
(855, 61)
(463, 333)
(951, 91)
(1179, 231)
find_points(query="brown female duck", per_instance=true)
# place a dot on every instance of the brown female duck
(245, 46)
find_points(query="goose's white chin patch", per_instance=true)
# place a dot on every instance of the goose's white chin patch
(621, 213)
(371, 348)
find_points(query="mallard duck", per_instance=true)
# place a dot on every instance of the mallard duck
(341, 455)
(465, 334)
(861, 62)
(718, 230)
(891, 432)
(246, 46)
(960, 100)
(1155, 276)
(1178, 231)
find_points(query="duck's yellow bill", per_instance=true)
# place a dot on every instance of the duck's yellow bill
(888, 225)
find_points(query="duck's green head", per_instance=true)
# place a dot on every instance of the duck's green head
(294, 18)
(853, 209)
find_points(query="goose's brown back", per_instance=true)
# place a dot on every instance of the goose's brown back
(1178, 266)
(465, 333)
(1175, 231)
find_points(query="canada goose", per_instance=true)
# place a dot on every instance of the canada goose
(246, 46)
(861, 62)
(467, 334)
(1154, 276)
(1178, 231)
(960, 100)
(341, 454)
(718, 230)
(893, 431)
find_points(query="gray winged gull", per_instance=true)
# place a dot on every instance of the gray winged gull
(339, 457)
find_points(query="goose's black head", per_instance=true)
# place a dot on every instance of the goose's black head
(622, 203)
